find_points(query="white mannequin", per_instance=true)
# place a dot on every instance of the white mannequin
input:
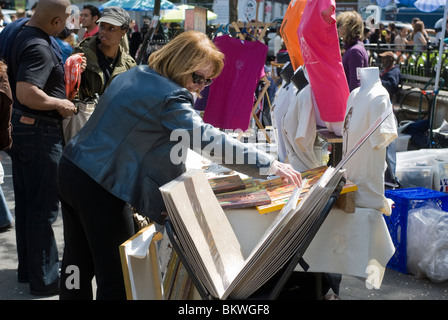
(366, 167)
(368, 76)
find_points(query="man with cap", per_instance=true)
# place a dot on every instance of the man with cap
(391, 75)
(104, 53)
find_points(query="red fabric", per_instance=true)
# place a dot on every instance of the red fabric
(72, 75)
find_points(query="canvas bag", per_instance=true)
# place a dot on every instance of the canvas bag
(71, 125)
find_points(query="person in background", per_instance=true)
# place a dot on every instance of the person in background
(36, 77)
(2, 22)
(386, 38)
(390, 75)
(375, 36)
(278, 41)
(367, 34)
(426, 31)
(393, 30)
(21, 13)
(63, 40)
(350, 29)
(6, 219)
(29, 13)
(418, 37)
(134, 39)
(401, 40)
(89, 17)
(104, 54)
(439, 35)
(104, 57)
(126, 152)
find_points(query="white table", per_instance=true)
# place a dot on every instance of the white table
(355, 244)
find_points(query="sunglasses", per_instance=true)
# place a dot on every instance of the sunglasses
(197, 79)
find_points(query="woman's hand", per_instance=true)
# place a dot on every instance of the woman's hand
(83, 63)
(286, 172)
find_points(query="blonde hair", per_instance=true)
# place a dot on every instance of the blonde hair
(3, 68)
(418, 27)
(352, 22)
(188, 52)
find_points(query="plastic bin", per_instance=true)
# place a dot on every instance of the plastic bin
(405, 200)
(411, 176)
(402, 142)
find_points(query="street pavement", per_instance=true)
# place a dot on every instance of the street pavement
(395, 285)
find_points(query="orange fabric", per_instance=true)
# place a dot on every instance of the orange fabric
(288, 31)
(72, 75)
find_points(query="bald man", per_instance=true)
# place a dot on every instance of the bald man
(40, 104)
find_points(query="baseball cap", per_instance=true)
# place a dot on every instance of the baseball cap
(115, 16)
(388, 54)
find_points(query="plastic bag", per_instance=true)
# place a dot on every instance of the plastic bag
(427, 242)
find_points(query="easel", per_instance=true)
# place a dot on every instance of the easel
(267, 83)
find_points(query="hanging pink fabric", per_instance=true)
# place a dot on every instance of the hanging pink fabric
(319, 44)
(232, 93)
(72, 75)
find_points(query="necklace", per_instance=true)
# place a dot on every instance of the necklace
(110, 61)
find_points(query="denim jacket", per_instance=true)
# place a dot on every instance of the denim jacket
(126, 145)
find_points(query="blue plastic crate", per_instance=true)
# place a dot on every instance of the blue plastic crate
(405, 200)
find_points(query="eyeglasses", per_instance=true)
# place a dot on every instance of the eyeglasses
(197, 79)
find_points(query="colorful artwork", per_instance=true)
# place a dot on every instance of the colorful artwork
(280, 192)
(226, 184)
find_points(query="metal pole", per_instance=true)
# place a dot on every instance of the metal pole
(441, 47)
(438, 71)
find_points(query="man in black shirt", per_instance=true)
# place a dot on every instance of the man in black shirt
(40, 102)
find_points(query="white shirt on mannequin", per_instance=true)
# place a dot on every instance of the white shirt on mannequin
(367, 166)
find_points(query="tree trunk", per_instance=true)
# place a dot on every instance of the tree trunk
(156, 11)
(233, 10)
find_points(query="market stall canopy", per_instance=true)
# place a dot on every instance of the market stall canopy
(178, 14)
(137, 5)
(422, 5)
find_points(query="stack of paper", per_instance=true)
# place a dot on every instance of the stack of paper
(212, 247)
(203, 231)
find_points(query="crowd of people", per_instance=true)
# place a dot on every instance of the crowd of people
(116, 163)
(119, 158)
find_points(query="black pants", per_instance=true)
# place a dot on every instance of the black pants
(95, 224)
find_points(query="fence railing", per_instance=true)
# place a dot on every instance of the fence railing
(422, 62)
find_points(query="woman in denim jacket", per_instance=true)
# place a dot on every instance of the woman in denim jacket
(129, 148)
